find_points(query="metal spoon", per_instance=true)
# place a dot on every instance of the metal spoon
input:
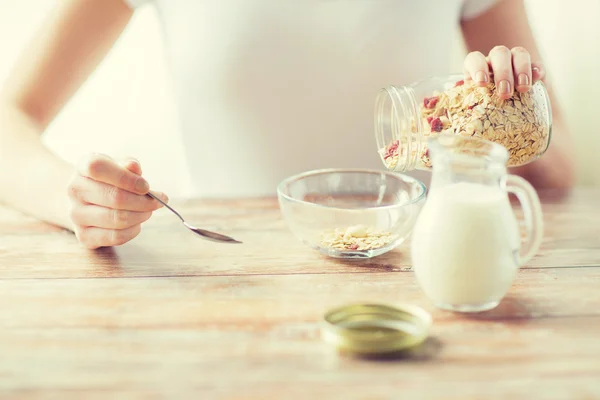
(215, 237)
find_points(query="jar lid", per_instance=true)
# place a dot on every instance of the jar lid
(376, 329)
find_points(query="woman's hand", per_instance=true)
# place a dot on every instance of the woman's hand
(108, 202)
(509, 68)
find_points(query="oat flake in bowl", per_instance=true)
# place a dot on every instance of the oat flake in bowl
(407, 116)
(356, 237)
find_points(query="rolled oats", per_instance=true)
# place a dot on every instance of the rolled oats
(356, 237)
(469, 110)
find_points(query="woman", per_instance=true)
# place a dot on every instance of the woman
(265, 89)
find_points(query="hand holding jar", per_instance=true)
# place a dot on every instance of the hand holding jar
(510, 69)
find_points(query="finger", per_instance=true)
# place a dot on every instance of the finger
(102, 168)
(521, 63)
(133, 165)
(161, 196)
(538, 71)
(94, 238)
(109, 218)
(89, 191)
(476, 68)
(501, 61)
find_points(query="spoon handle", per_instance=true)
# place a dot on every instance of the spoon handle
(215, 237)
(165, 204)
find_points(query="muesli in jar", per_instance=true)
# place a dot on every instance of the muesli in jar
(522, 123)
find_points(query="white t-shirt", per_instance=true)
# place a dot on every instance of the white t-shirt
(270, 88)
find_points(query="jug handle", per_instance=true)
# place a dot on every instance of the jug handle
(532, 212)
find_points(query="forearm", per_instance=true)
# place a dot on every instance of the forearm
(32, 179)
(506, 24)
(73, 40)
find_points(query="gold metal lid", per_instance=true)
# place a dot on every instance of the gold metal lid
(376, 329)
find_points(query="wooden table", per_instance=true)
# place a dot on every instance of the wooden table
(172, 316)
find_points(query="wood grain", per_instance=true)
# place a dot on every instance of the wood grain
(29, 249)
(258, 337)
(191, 301)
(192, 319)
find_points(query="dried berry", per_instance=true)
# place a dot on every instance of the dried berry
(425, 158)
(459, 83)
(429, 119)
(430, 102)
(392, 149)
(353, 246)
(436, 125)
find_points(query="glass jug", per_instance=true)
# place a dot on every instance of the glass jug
(466, 247)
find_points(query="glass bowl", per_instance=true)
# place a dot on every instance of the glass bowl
(351, 213)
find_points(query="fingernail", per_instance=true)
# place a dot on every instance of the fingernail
(481, 76)
(523, 80)
(142, 186)
(504, 87)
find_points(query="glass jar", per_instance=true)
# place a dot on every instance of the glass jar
(407, 116)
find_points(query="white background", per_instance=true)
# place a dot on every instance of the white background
(127, 104)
